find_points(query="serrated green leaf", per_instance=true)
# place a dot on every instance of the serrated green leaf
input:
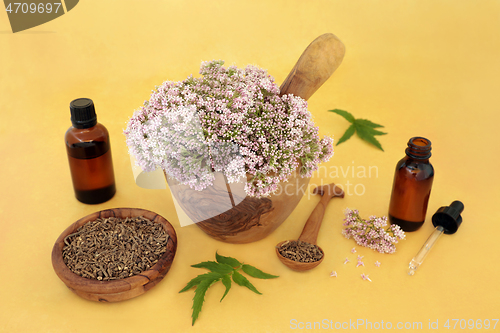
(197, 280)
(369, 138)
(349, 117)
(243, 281)
(226, 281)
(223, 264)
(363, 127)
(199, 297)
(214, 267)
(227, 260)
(367, 130)
(257, 273)
(366, 122)
(347, 135)
(372, 131)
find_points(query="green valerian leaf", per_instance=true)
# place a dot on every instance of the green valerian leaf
(243, 281)
(367, 130)
(347, 135)
(257, 273)
(363, 127)
(369, 138)
(199, 297)
(366, 122)
(214, 267)
(349, 117)
(222, 270)
(197, 280)
(227, 260)
(226, 281)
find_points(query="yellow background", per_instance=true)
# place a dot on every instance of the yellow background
(422, 68)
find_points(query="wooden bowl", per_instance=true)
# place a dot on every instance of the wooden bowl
(121, 289)
(224, 211)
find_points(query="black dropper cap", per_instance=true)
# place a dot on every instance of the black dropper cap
(449, 217)
(83, 113)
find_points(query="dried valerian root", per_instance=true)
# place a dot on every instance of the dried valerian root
(114, 248)
(300, 251)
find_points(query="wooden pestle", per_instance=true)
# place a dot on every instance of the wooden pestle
(316, 64)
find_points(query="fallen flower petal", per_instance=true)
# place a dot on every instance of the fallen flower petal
(377, 264)
(360, 263)
(353, 250)
(333, 274)
(346, 261)
(365, 277)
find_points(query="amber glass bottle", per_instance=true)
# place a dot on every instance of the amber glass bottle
(412, 186)
(89, 154)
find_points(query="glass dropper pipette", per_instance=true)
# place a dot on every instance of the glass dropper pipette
(446, 220)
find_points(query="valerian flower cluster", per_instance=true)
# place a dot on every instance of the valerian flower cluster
(229, 120)
(372, 233)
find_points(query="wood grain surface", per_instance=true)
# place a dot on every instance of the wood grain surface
(249, 219)
(121, 289)
(316, 64)
(313, 224)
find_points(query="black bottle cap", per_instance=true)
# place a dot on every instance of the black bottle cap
(83, 113)
(449, 217)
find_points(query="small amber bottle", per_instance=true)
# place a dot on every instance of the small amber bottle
(412, 186)
(89, 154)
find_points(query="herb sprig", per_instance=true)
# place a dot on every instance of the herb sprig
(224, 269)
(363, 127)
(373, 232)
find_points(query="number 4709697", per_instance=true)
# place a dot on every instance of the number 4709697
(471, 324)
(25, 8)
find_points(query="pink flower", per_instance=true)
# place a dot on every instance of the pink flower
(371, 233)
(230, 120)
(365, 277)
(377, 263)
(333, 274)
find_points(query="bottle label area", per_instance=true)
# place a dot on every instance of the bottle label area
(87, 150)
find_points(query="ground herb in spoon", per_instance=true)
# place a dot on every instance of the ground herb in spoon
(224, 269)
(300, 251)
(114, 248)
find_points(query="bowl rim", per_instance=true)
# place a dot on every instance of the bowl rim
(76, 282)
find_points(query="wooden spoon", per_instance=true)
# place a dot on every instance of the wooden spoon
(316, 64)
(311, 229)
